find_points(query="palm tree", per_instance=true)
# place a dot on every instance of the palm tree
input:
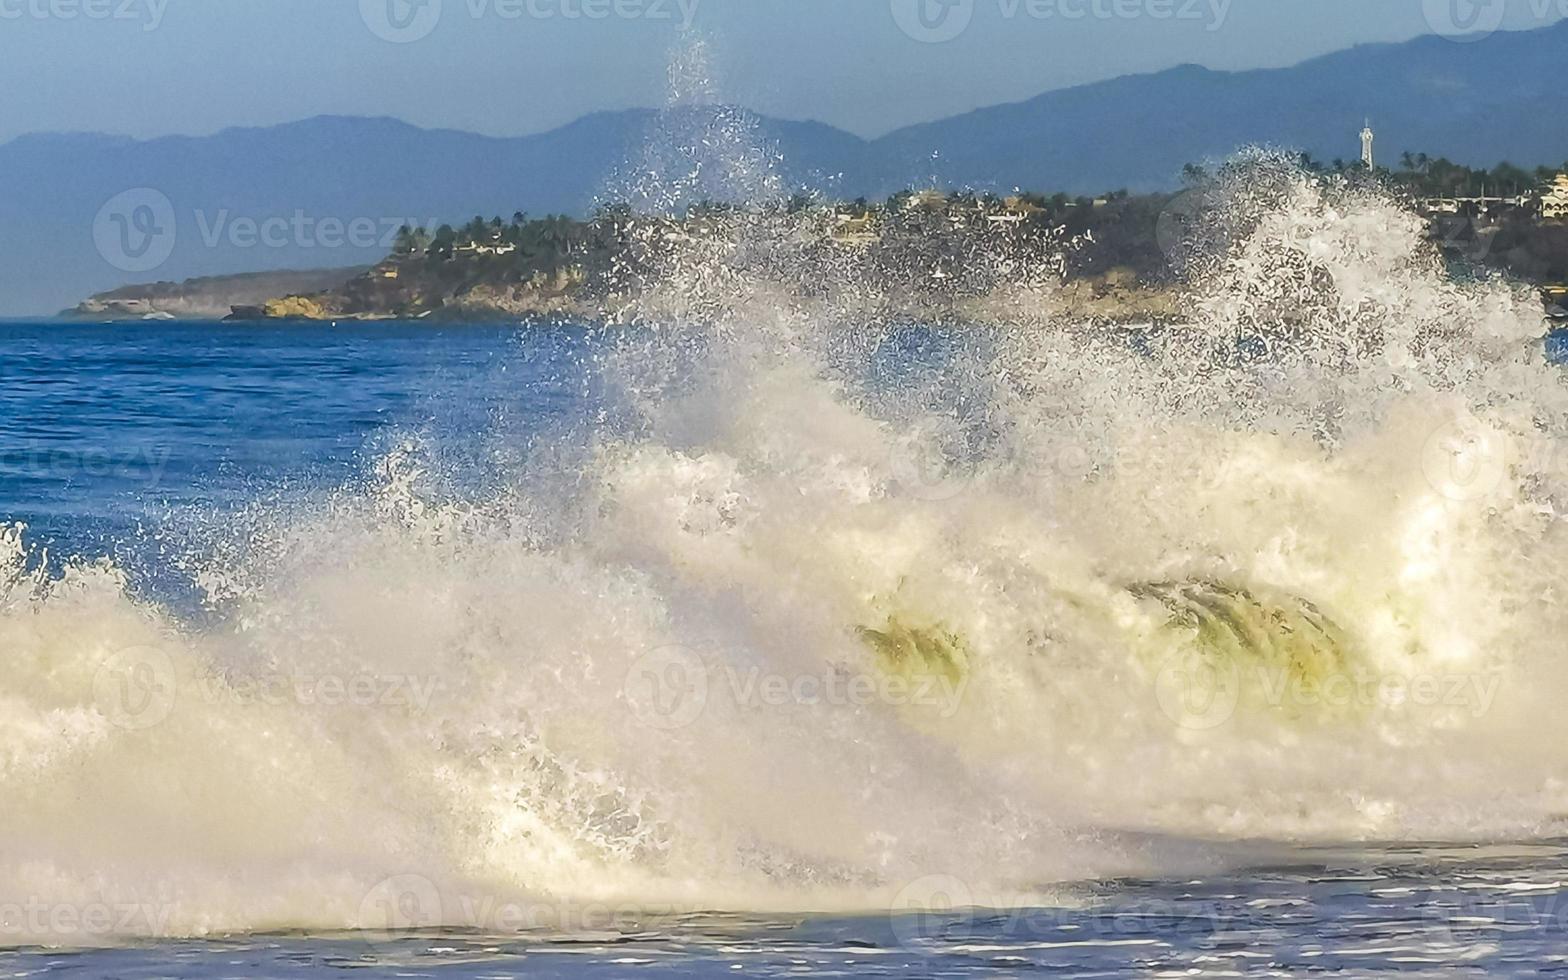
(404, 243)
(443, 241)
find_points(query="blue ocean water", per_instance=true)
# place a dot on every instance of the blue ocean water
(108, 432)
(111, 436)
(1418, 911)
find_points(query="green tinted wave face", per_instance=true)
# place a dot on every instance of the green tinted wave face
(918, 651)
(1281, 643)
(1282, 649)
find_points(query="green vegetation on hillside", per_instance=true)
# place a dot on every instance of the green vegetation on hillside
(914, 244)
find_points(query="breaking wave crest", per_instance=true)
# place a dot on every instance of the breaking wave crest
(826, 606)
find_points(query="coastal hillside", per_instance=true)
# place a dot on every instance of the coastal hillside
(929, 253)
(199, 201)
(207, 298)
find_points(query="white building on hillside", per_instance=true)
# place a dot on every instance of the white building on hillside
(1554, 199)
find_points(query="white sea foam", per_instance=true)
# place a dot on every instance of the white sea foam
(522, 710)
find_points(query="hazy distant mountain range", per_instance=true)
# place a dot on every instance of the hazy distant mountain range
(327, 192)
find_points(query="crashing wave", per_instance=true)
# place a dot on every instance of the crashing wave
(655, 672)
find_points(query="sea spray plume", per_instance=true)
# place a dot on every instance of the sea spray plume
(1302, 288)
(711, 221)
(698, 148)
(1327, 338)
(1161, 556)
(701, 161)
(1256, 442)
(724, 276)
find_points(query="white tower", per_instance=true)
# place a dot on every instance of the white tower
(1367, 138)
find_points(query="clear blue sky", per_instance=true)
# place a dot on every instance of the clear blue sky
(506, 67)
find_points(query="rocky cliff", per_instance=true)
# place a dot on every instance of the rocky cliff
(209, 298)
